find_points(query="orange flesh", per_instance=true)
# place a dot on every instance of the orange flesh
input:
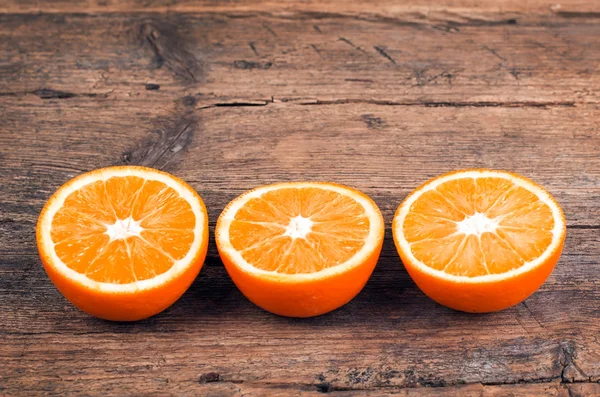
(522, 228)
(156, 228)
(337, 229)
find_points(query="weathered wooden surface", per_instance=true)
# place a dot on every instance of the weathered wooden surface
(380, 7)
(535, 60)
(232, 95)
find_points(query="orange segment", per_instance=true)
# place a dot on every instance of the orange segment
(68, 223)
(300, 249)
(94, 193)
(125, 231)
(331, 227)
(149, 216)
(122, 193)
(446, 251)
(468, 259)
(149, 260)
(88, 249)
(516, 216)
(499, 256)
(173, 243)
(112, 264)
(479, 227)
(435, 205)
(419, 227)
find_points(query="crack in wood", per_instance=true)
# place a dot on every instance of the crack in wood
(351, 44)
(248, 103)
(494, 53)
(532, 315)
(383, 53)
(514, 104)
(412, 19)
(457, 104)
(448, 22)
(47, 93)
(512, 70)
(252, 45)
(566, 353)
(247, 65)
(325, 387)
(171, 136)
(314, 47)
(269, 29)
(530, 381)
(172, 147)
(359, 80)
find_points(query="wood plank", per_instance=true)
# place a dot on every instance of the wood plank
(385, 151)
(333, 6)
(539, 61)
(391, 335)
(228, 389)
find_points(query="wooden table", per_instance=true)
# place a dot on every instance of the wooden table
(231, 95)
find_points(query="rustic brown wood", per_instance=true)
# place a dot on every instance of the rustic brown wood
(320, 6)
(395, 333)
(228, 389)
(228, 96)
(540, 60)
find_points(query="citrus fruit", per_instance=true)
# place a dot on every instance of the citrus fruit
(479, 240)
(123, 243)
(300, 249)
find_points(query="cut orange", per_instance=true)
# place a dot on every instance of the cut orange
(300, 249)
(479, 240)
(123, 243)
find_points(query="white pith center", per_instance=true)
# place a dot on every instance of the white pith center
(298, 227)
(477, 224)
(124, 228)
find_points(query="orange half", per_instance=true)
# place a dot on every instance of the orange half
(300, 249)
(123, 243)
(479, 240)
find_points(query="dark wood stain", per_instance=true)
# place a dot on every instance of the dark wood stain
(241, 64)
(168, 140)
(169, 49)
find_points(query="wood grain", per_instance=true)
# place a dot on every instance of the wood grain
(321, 6)
(538, 61)
(233, 95)
(213, 329)
(385, 151)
